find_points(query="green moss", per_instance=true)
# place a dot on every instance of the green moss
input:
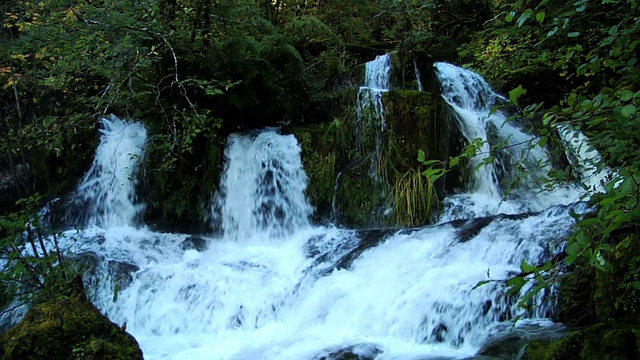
(324, 147)
(362, 200)
(604, 341)
(67, 329)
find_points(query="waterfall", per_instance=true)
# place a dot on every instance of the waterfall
(106, 195)
(262, 189)
(370, 112)
(418, 77)
(584, 158)
(505, 149)
(271, 286)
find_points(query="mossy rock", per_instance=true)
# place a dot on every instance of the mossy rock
(422, 121)
(588, 295)
(604, 341)
(70, 328)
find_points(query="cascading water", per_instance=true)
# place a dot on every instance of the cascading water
(502, 139)
(418, 77)
(106, 196)
(262, 189)
(273, 287)
(370, 112)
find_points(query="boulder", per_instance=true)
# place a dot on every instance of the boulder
(68, 328)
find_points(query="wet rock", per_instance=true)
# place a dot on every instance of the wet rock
(353, 352)
(68, 328)
(194, 243)
(122, 273)
(511, 345)
(612, 341)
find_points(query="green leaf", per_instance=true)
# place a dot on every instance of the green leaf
(516, 93)
(614, 30)
(573, 34)
(510, 16)
(540, 16)
(453, 161)
(527, 268)
(480, 283)
(421, 155)
(523, 17)
(628, 111)
(515, 284)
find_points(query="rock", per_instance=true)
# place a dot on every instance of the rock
(194, 243)
(353, 352)
(122, 273)
(68, 328)
(603, 341)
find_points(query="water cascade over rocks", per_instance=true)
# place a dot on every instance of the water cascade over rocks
(262, 188)
(106, 196)
(370, 112)
(271, 286)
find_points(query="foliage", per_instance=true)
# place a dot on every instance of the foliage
(70, 328)
(590, 50)
(415, 198)
(33, 266)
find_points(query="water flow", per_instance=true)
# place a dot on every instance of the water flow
(370, 112)
(320, 291)
(418, 77)
(506, 158)
(262, 187)
(106, 196)
(585, 160)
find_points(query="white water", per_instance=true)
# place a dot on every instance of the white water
(106, 196)
(273, 287)
(418, 77)
(585, 159)
(370, 111)
(262, 189)
(502, 138)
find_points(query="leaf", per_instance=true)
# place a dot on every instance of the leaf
(515, 284)
(516, 93)
(543, 141)
(614, 30)
(540, 16)
(453, 161)
(626, 95)
(527, 268)
(573, 34)
(421, 155)
(480, 283)
(628, 111)
(523, 17)
(552, 32)
(510, 16)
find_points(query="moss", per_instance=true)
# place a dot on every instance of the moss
(324, 147)
(604, 341)
(69, 328)
(362, 200)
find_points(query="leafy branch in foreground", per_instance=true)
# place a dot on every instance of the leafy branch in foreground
(33, 266)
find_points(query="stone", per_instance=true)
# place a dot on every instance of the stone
(68, 328)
